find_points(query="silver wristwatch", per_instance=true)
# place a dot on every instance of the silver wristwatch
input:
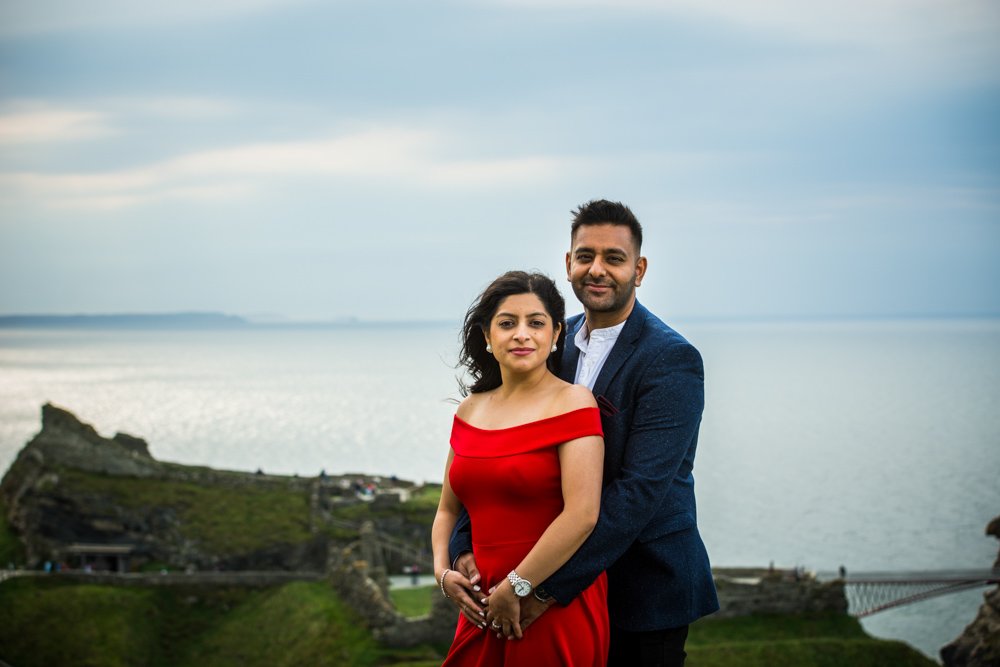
(522, 587)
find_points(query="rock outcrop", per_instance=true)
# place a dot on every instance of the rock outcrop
(979, 643)
(72, 492)
(746, 591)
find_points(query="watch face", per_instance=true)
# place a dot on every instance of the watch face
(522, 588)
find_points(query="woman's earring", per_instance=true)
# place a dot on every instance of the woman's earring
(555, 347)
(489, 348)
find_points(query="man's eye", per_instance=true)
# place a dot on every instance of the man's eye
(584, 258)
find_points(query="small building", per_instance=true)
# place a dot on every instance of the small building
(100, 557)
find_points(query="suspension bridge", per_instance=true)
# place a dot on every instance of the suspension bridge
(872, 592)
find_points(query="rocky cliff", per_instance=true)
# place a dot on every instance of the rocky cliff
(71, 490)
(979, 644)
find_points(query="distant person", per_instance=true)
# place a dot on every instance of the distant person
(649, 383)
(525, 461)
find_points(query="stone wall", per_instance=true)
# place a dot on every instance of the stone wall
(757, 591)
(242, 579)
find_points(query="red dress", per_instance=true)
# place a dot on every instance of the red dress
(509, 481)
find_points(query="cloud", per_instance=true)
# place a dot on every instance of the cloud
(416, 157)
(47, 125)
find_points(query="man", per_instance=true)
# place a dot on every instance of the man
(649, 384)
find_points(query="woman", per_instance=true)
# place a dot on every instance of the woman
(526, 462)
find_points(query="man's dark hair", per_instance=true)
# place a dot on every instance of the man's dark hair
(604, 212)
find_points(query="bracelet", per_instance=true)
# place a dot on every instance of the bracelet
(443, 575)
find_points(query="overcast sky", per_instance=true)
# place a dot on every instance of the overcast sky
(384, 160)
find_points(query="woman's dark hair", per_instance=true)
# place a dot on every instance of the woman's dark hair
(482, 366)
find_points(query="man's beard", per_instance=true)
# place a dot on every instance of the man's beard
(617, 297)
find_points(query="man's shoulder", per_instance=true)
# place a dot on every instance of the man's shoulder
(654, 332)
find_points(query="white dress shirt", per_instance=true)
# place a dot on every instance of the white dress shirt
(594, 348)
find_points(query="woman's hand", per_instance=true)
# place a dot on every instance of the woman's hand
(503, 612)
(465, 595)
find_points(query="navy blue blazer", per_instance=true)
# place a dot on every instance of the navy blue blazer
(651, 395)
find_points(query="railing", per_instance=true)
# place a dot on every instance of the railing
(871, 592)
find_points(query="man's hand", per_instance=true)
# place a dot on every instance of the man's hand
(532, 608)
(466, 564)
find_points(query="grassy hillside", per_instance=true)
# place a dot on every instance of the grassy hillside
(48, 622)
(822, 640)
(224, 520)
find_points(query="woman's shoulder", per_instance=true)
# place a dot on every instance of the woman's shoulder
(469, 405)
(574, 397)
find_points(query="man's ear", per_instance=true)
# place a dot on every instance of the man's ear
(640, 271)
(567, 266)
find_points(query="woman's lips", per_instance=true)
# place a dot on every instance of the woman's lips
(522, 351)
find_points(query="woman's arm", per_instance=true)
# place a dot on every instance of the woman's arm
(581, 463)
(455, 585)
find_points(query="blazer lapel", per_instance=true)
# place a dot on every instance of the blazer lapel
(571, 353)
(622, 350)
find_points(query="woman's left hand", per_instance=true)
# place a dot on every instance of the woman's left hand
(503, 612)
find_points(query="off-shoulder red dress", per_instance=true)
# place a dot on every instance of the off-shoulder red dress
(509, 481)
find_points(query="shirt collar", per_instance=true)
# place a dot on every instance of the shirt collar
(584, 335)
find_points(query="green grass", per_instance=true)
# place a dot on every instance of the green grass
(222, 519)
(49, 621)
(413, 602)
(11, 549)
(297, 624)
(90, 626)
(427, 497)
(820, 640)
(45, 622)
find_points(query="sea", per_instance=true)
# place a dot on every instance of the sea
(868, 444)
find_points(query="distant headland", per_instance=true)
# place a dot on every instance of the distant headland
(189, 321)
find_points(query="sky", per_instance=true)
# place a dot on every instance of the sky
(318, 160)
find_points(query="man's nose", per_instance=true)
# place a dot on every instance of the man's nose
(596, 268)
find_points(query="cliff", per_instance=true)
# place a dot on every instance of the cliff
(979, 643)
(73, 495)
